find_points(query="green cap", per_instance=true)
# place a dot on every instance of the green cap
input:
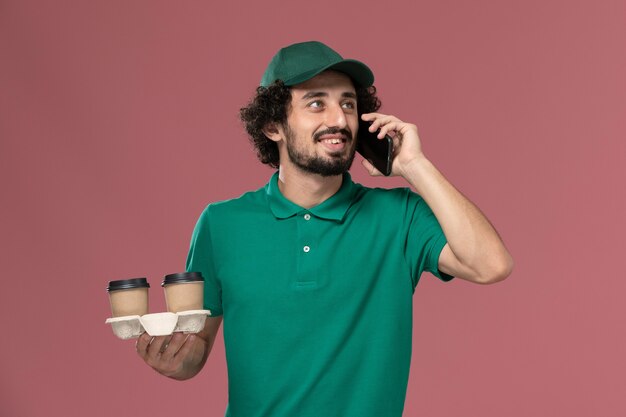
(299, 62)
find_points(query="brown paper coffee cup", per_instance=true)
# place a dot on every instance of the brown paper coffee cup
(184, 291)
(128, 297)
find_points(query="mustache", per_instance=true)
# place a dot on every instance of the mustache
(332, 131)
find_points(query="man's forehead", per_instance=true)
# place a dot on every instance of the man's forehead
(325, 81)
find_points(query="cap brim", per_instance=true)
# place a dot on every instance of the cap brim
(356, 70)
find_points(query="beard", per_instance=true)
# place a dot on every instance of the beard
(336, 164)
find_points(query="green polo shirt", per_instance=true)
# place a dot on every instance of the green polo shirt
(316, 303)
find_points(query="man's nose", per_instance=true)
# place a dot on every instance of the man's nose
(335, 117)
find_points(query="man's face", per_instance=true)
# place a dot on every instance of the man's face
(322, 122)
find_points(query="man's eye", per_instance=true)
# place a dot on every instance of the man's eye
(315, 104)
(349, 105)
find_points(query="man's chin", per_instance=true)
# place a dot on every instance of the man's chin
(339, 167)
(344, 154)
(327, 168)
(326, 163)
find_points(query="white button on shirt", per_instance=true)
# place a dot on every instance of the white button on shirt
(307, 216)
(306, 249)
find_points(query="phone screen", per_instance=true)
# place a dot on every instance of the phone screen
(378, 151)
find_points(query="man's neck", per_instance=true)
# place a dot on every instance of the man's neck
(305, 189)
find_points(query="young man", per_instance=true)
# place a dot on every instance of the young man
(313, 274)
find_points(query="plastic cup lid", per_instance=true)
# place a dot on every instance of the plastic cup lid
(182, 277)
(127, 284)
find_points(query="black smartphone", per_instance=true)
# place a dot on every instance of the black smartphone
(378, 151)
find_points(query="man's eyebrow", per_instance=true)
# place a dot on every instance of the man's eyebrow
(315, 94)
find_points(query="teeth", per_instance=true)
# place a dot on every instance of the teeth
(333, 141)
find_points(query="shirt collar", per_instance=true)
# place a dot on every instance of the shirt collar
(333, 208)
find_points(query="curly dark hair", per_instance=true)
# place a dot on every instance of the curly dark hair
(270, 105)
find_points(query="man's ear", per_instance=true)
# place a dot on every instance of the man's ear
(273, 132)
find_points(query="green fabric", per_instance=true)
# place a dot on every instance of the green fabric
(296, 63)
(324, 332)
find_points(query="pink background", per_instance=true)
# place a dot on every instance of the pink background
(118, 124)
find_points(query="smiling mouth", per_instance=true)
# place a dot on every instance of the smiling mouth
(334, 146)
(333, 141)
(333, 136)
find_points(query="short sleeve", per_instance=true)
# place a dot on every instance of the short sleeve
(200, 259)
(424, 239)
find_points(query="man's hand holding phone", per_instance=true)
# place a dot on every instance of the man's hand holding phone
(406, 142)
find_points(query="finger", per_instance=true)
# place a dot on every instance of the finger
(166, 343)
(371, 168)
(382, 122)
(171, 347)
(377, 122)
(154, 349)
(392, 126)
(377, 119)
(188, 345)
(370, 116)
(142, 344)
